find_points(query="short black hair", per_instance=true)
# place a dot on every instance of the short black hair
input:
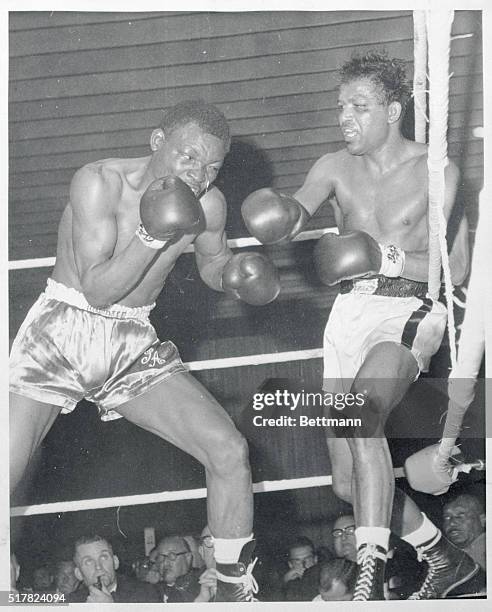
(207, 116)
(301, 541)
(89, 539)
(387, 73)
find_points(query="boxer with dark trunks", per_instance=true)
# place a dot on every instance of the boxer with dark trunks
(89, 336)
(383, 328)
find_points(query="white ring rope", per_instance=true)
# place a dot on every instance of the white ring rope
(419, 75)
(439, 25)
(233, 243)
(266, 486)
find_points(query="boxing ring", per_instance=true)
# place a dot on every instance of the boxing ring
(266, 486)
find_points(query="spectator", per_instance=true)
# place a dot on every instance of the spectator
(180, 581)
(301, 557)
(66, 582)
(464, 525)
(343, 533)
(336, 580)
(96, 566)
(42, 579)
(146, 570)
(206, 547)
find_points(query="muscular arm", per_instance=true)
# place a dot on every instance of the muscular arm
(417, 262)
(211, 250)
(105, 278)
(318, 185)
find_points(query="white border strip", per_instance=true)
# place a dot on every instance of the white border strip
(266, 486)
(234, 243)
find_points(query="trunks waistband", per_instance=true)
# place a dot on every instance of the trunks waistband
(385, 286)
(69, 295)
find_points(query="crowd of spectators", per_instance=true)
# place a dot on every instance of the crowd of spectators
(181, 568)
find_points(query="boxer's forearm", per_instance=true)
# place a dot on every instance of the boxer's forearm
(107, 282)
(212, 267)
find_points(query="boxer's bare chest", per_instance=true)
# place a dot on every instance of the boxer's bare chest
(388, 205)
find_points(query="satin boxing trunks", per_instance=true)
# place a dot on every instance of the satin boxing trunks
(67, 350)
(374, 310)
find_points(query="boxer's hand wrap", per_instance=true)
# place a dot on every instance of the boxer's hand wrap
(147, 239)
(355, 254)
(273, 217)
(392, 260)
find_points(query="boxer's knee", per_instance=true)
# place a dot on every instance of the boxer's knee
(342, 487)
(362, 414)
(228, 456)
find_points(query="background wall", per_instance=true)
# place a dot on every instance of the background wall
(86, 86)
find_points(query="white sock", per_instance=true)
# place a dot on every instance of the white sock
(372, 535)
(228, 550)
(427, 531)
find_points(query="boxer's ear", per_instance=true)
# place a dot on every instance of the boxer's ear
(157, 139)
(394, 111)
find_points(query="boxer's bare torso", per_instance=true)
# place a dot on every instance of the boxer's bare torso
(98, 224)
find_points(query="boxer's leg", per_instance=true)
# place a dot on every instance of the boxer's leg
(30, 421)
(181, 411)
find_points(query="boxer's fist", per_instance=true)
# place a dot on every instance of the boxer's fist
(169, 209)
(429, 472)
(252, 278)
(271, 216)
(355, 255)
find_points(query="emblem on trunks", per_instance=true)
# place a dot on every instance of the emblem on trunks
(151, 357)
(367, 286)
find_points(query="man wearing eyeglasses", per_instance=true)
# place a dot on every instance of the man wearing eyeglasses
(343, 534)
(180, 581)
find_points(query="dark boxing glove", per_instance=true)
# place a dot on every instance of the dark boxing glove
(168, 211)
(252, 278)
(354, 255)
(271, 216)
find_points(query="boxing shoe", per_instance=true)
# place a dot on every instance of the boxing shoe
(371, 561)
(235, 581)
(448, 568)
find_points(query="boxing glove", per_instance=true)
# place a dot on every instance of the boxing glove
(252, 278)
(168, 211)
(427, 471)
(271, 216)
(354, 255)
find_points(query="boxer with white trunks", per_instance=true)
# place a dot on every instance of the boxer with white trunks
(383, 328)
(88, 335)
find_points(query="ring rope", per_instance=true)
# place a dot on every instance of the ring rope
(233, 243)
(265, 486)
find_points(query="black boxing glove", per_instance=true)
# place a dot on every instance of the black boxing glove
(168, 211)
(252, 278)
(355, 255)
(272, 217)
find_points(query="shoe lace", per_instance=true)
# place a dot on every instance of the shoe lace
(247, 580)
(366, 558)
(435, 563)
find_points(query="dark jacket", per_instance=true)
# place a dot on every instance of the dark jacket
(128, 590)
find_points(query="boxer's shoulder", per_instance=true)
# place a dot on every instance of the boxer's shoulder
(214, 206)
(101, 181)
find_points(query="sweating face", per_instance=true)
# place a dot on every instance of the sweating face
(189, 153)
(363, 116)
(462, 522)
(96, 560)
(344, 538)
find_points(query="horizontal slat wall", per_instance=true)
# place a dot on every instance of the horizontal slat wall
(85, 86)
